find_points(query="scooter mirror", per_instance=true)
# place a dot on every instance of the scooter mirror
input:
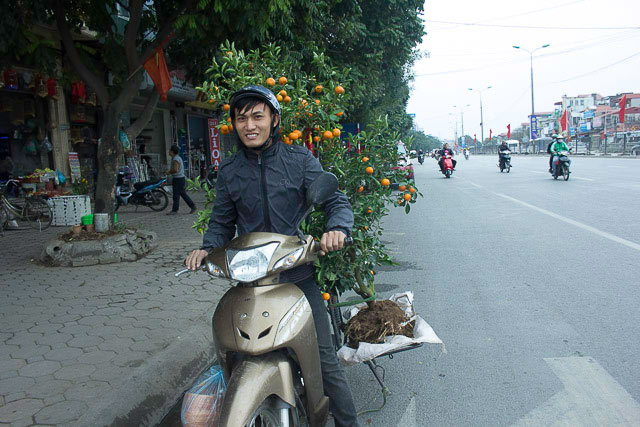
(321, 188)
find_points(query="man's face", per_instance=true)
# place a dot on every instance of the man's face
(254, 126)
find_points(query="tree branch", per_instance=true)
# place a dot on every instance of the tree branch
(94, 81)
(165, 31)
(134, 130)
(131, 33)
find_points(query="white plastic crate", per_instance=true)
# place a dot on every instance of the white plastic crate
(67, 210)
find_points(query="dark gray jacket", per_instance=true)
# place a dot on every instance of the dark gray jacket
(267, 192)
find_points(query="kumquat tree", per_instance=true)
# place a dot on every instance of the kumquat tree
(315, 100)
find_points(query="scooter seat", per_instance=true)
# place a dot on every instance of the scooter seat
(140, 185)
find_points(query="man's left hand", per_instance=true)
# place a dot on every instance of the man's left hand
(332, 241)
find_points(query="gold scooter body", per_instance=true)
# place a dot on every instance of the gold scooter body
(264, 331)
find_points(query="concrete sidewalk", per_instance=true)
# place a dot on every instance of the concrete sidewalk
(108, 344)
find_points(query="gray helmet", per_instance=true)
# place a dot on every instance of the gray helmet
(264, 94)
(260, 92)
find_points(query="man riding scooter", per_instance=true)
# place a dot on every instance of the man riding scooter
(442, 153)
(251, 198)
(504, 147)
(558, 146)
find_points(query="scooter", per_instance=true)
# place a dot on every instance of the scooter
(466, 155)
(146, 193)
(263, 330)
(447, 164)
(212, 176)
(562, 165)
(421, 158)
(504, 162)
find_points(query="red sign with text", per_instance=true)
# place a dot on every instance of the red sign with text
(214, 142)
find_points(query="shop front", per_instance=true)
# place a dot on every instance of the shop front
(24, 141)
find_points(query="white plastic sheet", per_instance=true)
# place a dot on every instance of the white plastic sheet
(423, 333)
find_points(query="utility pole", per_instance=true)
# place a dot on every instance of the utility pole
(481, 116)
(531, 65)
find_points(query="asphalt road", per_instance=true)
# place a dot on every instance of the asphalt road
(532, 284)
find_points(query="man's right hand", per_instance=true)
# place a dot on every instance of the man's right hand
(194, 259)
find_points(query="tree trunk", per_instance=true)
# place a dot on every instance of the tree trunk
(108, 156)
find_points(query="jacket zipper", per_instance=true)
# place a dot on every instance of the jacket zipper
(265, 204)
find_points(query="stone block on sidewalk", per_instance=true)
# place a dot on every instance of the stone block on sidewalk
(83, 262)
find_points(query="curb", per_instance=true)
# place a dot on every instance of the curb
(144, 398)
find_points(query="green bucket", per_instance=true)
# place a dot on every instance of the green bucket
(87, 219)
(115, 218)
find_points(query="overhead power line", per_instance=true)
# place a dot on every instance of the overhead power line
(596, 70)
(530, 12)
(533, 27)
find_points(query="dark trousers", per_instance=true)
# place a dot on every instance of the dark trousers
(180, 191)
(334, 381)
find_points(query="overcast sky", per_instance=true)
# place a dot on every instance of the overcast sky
(578, 61)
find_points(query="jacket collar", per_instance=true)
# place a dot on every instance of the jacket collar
(268, 152)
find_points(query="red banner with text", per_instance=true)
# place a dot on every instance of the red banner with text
(214, 142)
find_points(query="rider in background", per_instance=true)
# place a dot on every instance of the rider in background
(445, 150)
(503, 147)
(558, 146)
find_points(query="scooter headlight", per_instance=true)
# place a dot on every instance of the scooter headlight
(288, 260)
(250, 264)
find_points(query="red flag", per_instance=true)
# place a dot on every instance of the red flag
(489, 134)
(509, 131)
(623, 108)
(474, 139)
(156, 66)
(563, 120)
(602, 136)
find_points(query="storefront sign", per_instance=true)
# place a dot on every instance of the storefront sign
(534, 127)
(214, 142)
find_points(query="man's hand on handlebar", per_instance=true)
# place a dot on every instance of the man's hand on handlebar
(331, 241)
(194, 259)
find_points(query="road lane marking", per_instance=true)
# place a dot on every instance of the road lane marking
(590, 397)
(585, 179)
(475, 185)
(409, 417)
(578, 224)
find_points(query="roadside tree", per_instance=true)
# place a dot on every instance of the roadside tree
(313, 108)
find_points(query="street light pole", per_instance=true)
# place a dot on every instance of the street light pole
(530, 52)
(462, 120)
(481, 117)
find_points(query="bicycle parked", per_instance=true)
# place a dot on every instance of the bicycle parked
(26, 211)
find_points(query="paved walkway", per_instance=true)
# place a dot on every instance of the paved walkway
(106, 344)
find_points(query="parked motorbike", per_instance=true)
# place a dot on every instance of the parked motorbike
(263, 330)
(146, 193)
(447, 166)
(504, 162)
(562, 165)
(212, 176)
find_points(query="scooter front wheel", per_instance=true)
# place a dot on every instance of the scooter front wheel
(273, 412)
(565, 172)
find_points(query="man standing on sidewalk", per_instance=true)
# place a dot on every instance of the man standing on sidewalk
(179, 181)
